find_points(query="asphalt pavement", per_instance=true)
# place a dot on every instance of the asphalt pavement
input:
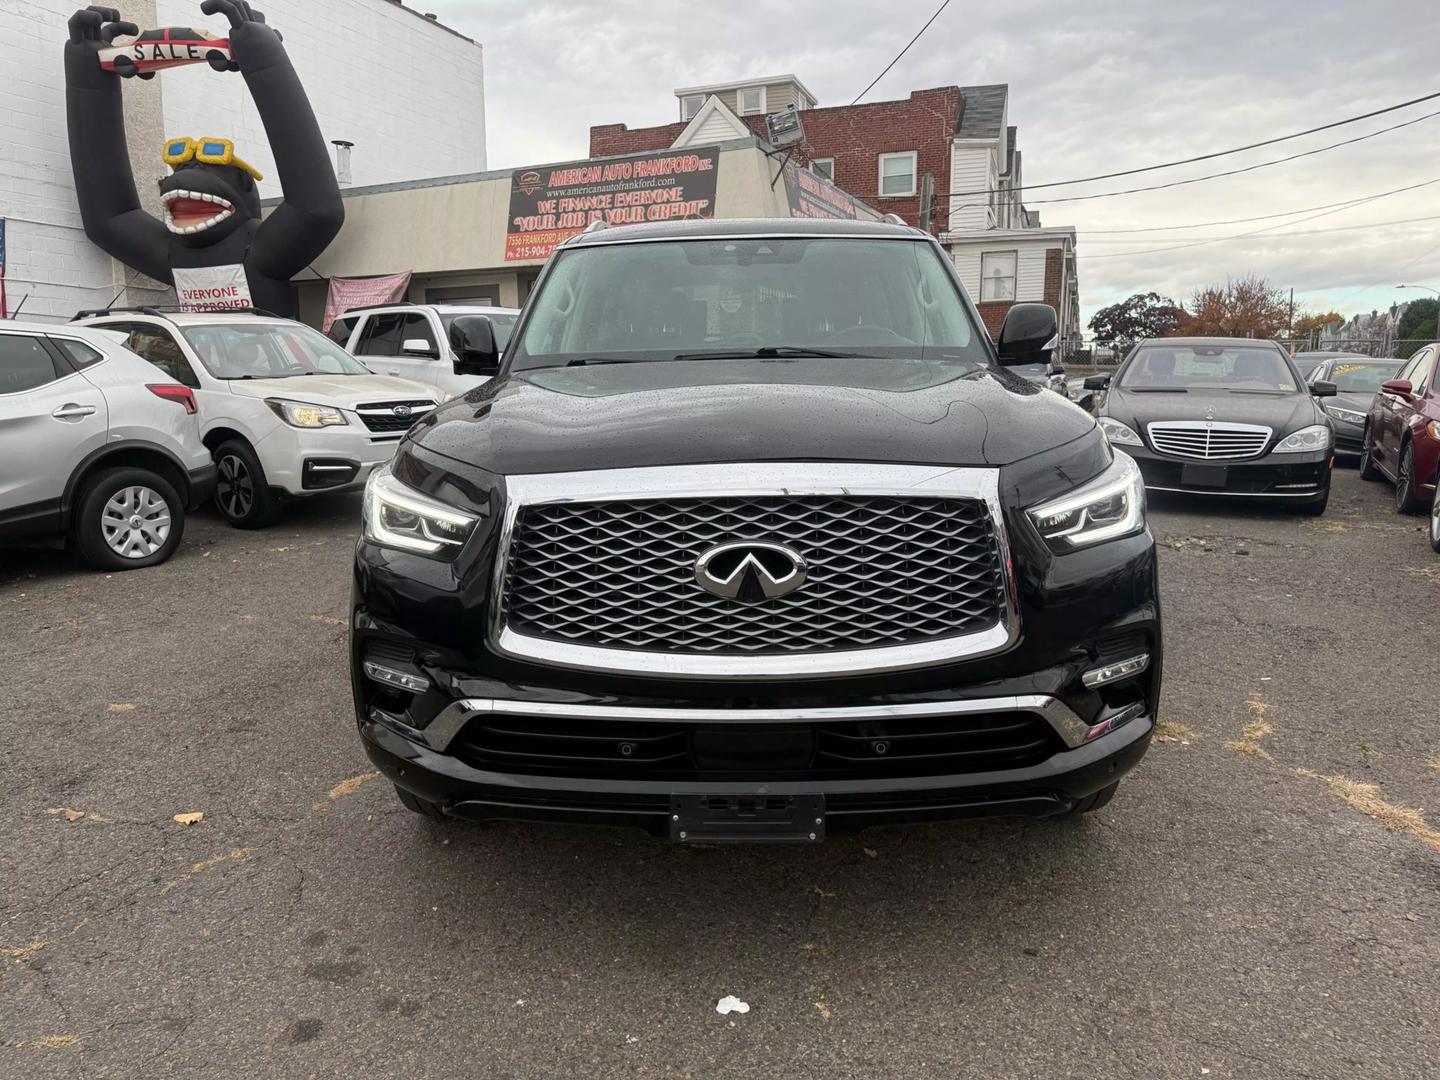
(1261, 899)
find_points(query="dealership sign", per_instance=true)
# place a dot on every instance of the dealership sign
(348, 293)
(811, 196)
(554, 202)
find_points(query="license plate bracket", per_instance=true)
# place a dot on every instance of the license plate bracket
(766, 819)
(1204, 476)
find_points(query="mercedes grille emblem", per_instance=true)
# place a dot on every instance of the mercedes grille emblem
(750, 570)
(401, 410)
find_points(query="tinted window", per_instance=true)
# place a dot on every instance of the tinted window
(80, 354)
(268, 351)
(340, 330)
(24, 364)
(1208, 367)
(878, 298)
(381, 336)
(1361, 376)
(155, 344)
(417, 326)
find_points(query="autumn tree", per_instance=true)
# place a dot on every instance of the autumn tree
(1306, 323)
(1144, 315)
(1246, 306)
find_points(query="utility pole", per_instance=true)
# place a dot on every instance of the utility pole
(1292, 312)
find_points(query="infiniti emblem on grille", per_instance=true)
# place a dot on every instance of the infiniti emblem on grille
(401, 410)
(750, 570)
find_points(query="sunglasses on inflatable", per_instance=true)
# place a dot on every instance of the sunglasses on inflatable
(206, 151)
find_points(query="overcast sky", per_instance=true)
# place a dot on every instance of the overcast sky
(1094, 87)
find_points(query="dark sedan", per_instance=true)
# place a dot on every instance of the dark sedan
(1221, 416)
(1356, 379)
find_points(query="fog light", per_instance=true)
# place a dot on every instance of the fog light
(1121, 669)
(401, 680)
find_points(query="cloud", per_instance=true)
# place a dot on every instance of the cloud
(1095, 87)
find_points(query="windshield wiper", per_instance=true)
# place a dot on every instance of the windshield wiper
(765, 352)
(581, 361)
(1154, 389)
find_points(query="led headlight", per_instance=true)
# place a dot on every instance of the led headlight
(401, 517)
(1347, 415)
(299, 414)
(1110, 506)
(1118, 433)
(1314, 437)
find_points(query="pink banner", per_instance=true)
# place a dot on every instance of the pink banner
(347, 293)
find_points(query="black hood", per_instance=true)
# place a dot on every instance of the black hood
(1283, 412)
(681, 413)
(1355, 401)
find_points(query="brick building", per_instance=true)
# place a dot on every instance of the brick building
(881, 152)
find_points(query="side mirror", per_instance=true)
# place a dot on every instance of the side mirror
(418, 346)
(472, 337)
(1028, 335)
(1097, 382)
(1057, 369)
(1321, 388)
(1399, 386)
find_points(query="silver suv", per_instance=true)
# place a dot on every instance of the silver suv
(97, 445)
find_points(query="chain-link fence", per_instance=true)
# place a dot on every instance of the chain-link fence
(1091, 352)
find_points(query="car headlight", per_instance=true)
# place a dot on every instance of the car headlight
(1347, 415)
(299, 414)
(1118, 433)
(400, 517)
(1314, 437)
(1110, 506)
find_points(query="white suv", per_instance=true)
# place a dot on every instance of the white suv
(285, 411)
(421, 341)
(97, 445)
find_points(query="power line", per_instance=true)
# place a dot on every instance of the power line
(903, 51)
(1257, 232)
(1201, 157)
(1228, 172)
(1258, 217)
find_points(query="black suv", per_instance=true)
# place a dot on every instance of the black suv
(755, 537)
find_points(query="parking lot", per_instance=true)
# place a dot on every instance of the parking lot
(1256, 902)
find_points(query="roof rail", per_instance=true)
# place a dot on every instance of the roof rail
(372, 307)
(161, 311)
(893, 219)
(595, 226)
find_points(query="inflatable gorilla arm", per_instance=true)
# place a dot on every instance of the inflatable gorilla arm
(212, 204)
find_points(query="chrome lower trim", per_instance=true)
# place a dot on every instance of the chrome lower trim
(439, 733)
(1237, 494)
(759, 479)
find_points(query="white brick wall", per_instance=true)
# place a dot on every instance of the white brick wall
(410, 96)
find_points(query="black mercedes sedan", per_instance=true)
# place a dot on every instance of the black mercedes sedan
(1357, 379)
(1221, 416)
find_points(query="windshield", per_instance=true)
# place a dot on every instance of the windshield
(781, 296)
(1361, 376)
(268, 351)
(1208, 367)
(504, 325)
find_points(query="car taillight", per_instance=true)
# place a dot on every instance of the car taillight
(181, 395)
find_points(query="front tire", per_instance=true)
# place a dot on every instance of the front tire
(417, 805)
(1406, 500)
(1435, 517)
(1368, 468)
(127, 519)
(242, 494)
(1091, 803)
(1314, 507)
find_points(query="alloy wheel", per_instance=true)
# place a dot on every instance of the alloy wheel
(135, 522)
(235, 491)
(1435, 517)
(1402, 478)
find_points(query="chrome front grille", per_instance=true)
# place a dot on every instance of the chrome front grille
(1208, 440)
(883, 570)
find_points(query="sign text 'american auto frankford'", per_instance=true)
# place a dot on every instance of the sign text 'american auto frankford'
(553, 202)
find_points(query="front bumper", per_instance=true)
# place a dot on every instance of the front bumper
(1279, 476)
(305, 461)
(1349, 438)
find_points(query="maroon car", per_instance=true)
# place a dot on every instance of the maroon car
(1402, 435)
